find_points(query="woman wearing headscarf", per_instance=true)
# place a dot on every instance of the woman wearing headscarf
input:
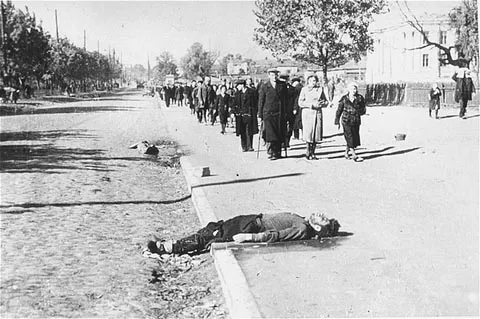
(312, 99)
(350, 107)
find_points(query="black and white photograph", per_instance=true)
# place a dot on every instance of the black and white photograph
(239, 159)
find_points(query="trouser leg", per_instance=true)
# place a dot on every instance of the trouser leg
(243, 140)
(463, 107)
(196, 242)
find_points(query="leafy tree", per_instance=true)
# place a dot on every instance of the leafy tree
(464, 19)
(26, 46)
(197, 61)
(327, 33)
(165, 65)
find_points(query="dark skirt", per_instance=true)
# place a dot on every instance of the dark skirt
(352, 134)
(223, 115)
(434, 104)
(297, 124)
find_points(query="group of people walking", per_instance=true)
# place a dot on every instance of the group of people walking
(278, 109)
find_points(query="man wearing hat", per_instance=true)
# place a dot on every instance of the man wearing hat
(271, 227)
(244, 113)
(272, 100)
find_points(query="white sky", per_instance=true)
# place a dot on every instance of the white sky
(137, 29)
(141, 29)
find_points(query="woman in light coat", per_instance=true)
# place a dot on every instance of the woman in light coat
(312, 99)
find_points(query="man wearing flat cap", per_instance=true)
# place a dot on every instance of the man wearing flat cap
(272, 99)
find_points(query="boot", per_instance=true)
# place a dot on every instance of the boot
(314, 146)
(436, 114)
(307, 151)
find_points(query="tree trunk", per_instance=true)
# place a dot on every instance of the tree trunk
(325, 74)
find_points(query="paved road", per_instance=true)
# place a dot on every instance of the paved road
(412, 207)
(77, 206)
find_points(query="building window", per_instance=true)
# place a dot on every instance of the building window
(442, 56)
(443, 37)
(426, 34)
(425, 60)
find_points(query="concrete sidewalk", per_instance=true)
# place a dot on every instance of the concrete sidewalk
(411, 206)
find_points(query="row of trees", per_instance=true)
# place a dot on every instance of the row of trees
(196, 62)
(30, 53)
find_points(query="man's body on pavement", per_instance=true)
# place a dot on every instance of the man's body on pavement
(251, 228)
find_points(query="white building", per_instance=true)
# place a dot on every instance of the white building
(237, 67)
(393, 59)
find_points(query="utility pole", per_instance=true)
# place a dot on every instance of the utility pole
(148, 68)
(56, 23)
(84, 40)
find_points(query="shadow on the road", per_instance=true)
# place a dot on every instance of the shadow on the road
(368, 157)
(319, 146)
(120, 98)
(361, 153)
(67, 110)
(247, 180)
(446, 117)
(471, 116)
(41, 155)
(128, 202)
(333, 135)
(46, 158)
(43, 135)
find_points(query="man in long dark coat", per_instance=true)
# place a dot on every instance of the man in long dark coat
(463, 89)
(272, 100)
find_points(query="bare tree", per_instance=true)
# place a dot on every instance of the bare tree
(462, 22)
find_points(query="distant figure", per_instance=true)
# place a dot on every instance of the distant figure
(222, 104)
(464, 89)
(350, 107)
(434, 97)
(200, 93)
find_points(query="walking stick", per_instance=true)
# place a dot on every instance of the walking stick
(259, 137)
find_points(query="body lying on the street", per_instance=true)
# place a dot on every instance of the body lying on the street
(250, 228)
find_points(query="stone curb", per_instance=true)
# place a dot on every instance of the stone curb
(239, 299)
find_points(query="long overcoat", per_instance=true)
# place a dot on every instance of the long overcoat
(271, 109)
(311, 100)
(464, 88)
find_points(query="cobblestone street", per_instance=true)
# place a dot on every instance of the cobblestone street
(77, 206)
